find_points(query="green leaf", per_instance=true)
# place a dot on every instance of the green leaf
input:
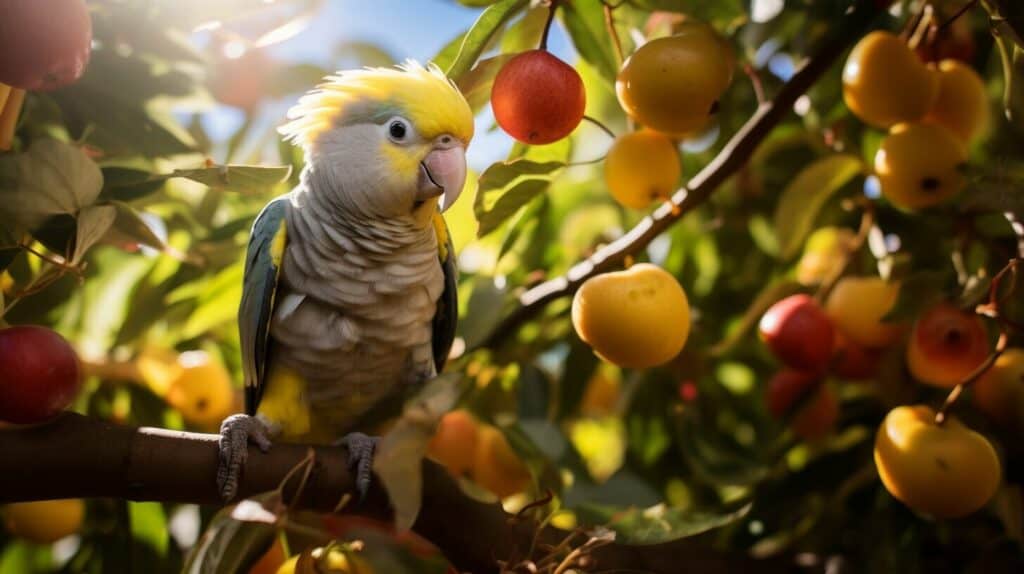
(149, 525)
(51, 178)
(241, 178)
(660, 523)
(399, 456)
(492, 20)
(807, 193)
(229, 545)
(507, 186)
(476, 84)
(128, 184)
(130, 225)
(585, 23)
(218, 302)
(483, 311)
(93, 223)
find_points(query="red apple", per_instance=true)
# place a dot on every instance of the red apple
(854, 362)
(39, 374)
(537, 98)
(811, 406)
(239, 75)
(797, 330)
(44, 44)
(947, 344)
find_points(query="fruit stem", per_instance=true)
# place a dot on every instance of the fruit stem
(126, 371)
(919, 31)
(941, 415)
(609, 22)
(867, 222)
(755, 81)
(603, 127)
(9, 117)
(963, 10)
(547, 25)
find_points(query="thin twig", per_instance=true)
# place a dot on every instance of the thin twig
(941, 415)
(601, 125)
(963, 10)
(755, 81)
(547, 25)
(609, 22)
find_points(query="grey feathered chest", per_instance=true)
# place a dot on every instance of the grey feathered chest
(354, 306)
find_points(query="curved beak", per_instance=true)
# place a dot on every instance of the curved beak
(442, 173)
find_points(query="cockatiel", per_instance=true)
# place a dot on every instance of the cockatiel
(349, 287)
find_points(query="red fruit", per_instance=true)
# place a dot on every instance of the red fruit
(537, 98)
(810, 405)
(44, 44)
(39, 374)
(946, 346)
(797, 330)
(854, 362)
(240, 81)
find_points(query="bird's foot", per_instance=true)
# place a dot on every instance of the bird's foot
(361, 449)
(235, 434)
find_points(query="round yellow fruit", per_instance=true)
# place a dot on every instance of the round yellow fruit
(496, 466)
(603, 392)
(885, 83)
(454, 441)
(44, 521)
(999, 393)
(945, 471)
(637, 318)
(672, 85)
(824, 254)
(920, 165)
(202, 392)
(856, 306)
(326, 561)
(642, 167)
(962, 104)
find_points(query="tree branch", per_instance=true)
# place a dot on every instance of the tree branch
(76, 456)
(699, 189)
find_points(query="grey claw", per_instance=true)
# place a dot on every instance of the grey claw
(360, 459)
(235, 434)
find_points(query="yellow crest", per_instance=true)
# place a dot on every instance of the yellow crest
(423, 95)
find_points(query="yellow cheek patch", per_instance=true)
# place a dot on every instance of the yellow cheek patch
(283, 402)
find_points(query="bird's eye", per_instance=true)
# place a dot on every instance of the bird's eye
(398, 130)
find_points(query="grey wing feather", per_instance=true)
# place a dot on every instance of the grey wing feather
(259, 285)
(447, 315)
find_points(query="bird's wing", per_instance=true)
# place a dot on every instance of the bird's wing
(447, 314)
(259, 286)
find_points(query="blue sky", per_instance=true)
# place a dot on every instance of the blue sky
(404, 28)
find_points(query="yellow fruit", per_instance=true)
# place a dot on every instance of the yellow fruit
(637, 318)
(271, 560)
(919, 165)
(326, 561)
(496, 466)
(962, 104)
(824, 254)
(603, 392)
(672, 85)
(44, 521)
(885, 83)
(945, 471)
(642, 167)
(202, 392)
(454, 442)
(946, 345)
(856, 306)
(999, 393)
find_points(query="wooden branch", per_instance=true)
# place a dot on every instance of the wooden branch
(699, 189)
(76, 456)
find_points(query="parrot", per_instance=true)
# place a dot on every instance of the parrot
(349, 286)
